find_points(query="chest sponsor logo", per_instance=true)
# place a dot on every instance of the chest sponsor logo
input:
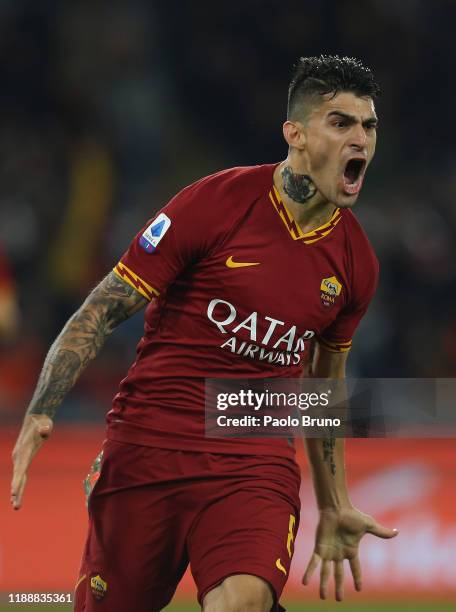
(154, 233)
(330, 289)
(240, 264)
(269, 339)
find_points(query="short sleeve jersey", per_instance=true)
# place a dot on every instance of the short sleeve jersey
(236, 290)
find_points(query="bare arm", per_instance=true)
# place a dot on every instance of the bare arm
(110, 303)
(327, 455)
(341, 525)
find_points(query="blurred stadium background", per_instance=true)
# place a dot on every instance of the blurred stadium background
(109, 108)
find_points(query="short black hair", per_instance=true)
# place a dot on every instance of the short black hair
(316, 76)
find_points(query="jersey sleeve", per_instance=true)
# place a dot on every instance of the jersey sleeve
(179, 234)
(337, 337)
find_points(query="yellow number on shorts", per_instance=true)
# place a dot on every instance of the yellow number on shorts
(291, 535)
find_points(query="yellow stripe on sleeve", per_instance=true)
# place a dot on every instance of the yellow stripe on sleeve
(335, 347)
(127, 275)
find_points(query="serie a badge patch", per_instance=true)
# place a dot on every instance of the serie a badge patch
(98, 586)
(330, 288)
(154, 233)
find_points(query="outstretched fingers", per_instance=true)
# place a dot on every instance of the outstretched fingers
(355, 567)
(324, 578)
(339, 579)
(324, 573)
(311, 567)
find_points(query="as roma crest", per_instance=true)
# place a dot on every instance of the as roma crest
(98, 586)
(330, 288)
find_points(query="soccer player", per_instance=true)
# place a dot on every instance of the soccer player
(237, 273)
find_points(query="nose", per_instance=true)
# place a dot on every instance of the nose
(358, 138)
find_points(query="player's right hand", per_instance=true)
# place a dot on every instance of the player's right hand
(35, 429)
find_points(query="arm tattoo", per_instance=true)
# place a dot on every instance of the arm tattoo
(299, 187)
(328, 451)
(110, 303)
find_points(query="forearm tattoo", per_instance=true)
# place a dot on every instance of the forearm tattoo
(110, 303)
(299, 187)
(328, 451)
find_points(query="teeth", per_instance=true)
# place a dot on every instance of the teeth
(352, 188)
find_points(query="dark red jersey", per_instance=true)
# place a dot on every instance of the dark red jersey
(237, 290)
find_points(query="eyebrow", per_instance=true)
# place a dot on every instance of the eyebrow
(351, 119)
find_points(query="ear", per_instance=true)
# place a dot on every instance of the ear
(293, 133)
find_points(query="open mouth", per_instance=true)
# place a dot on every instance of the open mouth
(353, 175)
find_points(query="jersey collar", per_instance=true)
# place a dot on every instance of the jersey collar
(293, 228)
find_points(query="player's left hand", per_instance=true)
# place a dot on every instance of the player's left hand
(338, 535)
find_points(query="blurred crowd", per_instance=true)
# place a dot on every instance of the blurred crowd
(109, 108)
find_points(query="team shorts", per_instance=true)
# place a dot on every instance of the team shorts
(154, 511)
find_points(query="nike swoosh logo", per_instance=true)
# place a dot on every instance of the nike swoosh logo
(280, 566)
(240, 264)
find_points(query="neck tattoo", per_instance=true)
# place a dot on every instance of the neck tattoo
(299, 187)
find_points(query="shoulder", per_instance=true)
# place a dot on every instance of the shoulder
(212, 204)
(358, 243)
(363, 262)
(227, 192)
(247, 180)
